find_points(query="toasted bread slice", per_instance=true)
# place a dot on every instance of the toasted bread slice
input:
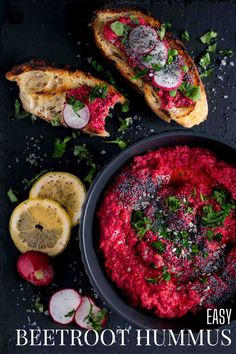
(186, 116)
(43, 91)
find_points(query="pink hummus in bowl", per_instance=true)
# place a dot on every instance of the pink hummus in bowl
(165, 228)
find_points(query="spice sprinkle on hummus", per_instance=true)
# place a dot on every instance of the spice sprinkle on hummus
(168, 231)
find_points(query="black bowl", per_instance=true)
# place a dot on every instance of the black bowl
(89, 234)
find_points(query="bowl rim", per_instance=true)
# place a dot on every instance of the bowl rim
(106, 173)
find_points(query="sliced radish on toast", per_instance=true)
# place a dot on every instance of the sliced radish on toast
(63, 305)
(168, 78)
(78, 119)
(90, 316)
(157, 56)
(142, 39)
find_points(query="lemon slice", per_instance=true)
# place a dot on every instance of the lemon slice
(64, 188)
(40, 225)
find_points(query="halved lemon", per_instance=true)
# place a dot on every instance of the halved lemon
(40, 225)
(64, 188)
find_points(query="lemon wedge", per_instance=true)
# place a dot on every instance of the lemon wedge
(64, 188)
(40, 225)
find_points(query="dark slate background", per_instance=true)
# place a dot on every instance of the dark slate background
(57, 30)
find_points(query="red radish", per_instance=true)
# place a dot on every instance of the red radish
(36, 268)
(168, 78)
(90, 316)
(63, 305)
(76, 120)
(157, 56)
(142, 39)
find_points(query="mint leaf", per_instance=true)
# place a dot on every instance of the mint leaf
(118, 28)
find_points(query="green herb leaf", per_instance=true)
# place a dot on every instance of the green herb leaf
(162, 31)
(70, 313)
(157, 67)
(210, 234)
(147, 57)
(212, 48)
(195, 249)
(206, 73)
(140, 74)
(60, 147)
(173, 203)
(77, 105)
(82, 152)
(134, 19)
(96, 320)
(119, 28)
(98, 91)
(38, 305)
(208, 36)
(205, 60)
(35, 178)
(185, 68)
(159, 246)
(125, 107)
(185, 36)
(140, 223)
(173, 93)
(12, 196)
(19, 112)
(56, 121)
(121, 143)
(190, 91)
(91, 173)
(172, 54)
(226, 52)
(125, 123)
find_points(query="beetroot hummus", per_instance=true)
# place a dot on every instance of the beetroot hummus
(99, 101)
(168, 231)
(150, 53)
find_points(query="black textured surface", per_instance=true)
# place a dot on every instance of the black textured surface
(52, 30)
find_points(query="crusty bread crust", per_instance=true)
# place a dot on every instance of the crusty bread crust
(43, 89)
(185, 116)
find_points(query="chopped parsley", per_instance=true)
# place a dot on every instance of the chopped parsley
(121, 143)
(140, 223)
(190, 91)
(35, 178)
(91, 172)
(164, 276)
(82, 152)
(173, 93)
(140, 74)
(208, 36)
(134, 19)
(119, 28)
(162, 31)
(39, 305)
(226, 52)
(159, 246)
(210, 235)
(185, 36)
(77, 105)
(173, 203)
(106, 73)
(19, 112)
(147, 58)
(195, 249)
(205, 60)
(212, 48)
(60, 147)
(96, 320)
(206, 73)
(56, 121)
(124, 123)
(70, 313)
(125, 107)
(98, 91)
(172, 54)
(156, 66)
(185, 68)
(12, 196)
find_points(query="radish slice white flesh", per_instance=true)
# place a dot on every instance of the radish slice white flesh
(63, 304)
(86, 308)
(76, 120)
(168, 78)
(157, 56)
(142, 39)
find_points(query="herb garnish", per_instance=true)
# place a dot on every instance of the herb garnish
(83, 153)
(60, 146)
(12, 196)
(32, 180)
(147, 57)
(125, 107)
(125, 123)
(226, 52)
(121, 143)
(212, 48)
(173, 93)
(185, 36)
(205, 60)
(77, 105)
(164, 276)
(140, 223)
(162, 31)
(91, 172)
(134, 19)
(172, 54)
(70, 313)
(208, 36)
(38, 305)
(98, 91)
(173, 203)
(159, 246)
(140, 74)
(157, 66)
(190, 91)
(19, 112)
(185, 68)
(206, 73)
(96, 320)
(119, 28)
(56, 121)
